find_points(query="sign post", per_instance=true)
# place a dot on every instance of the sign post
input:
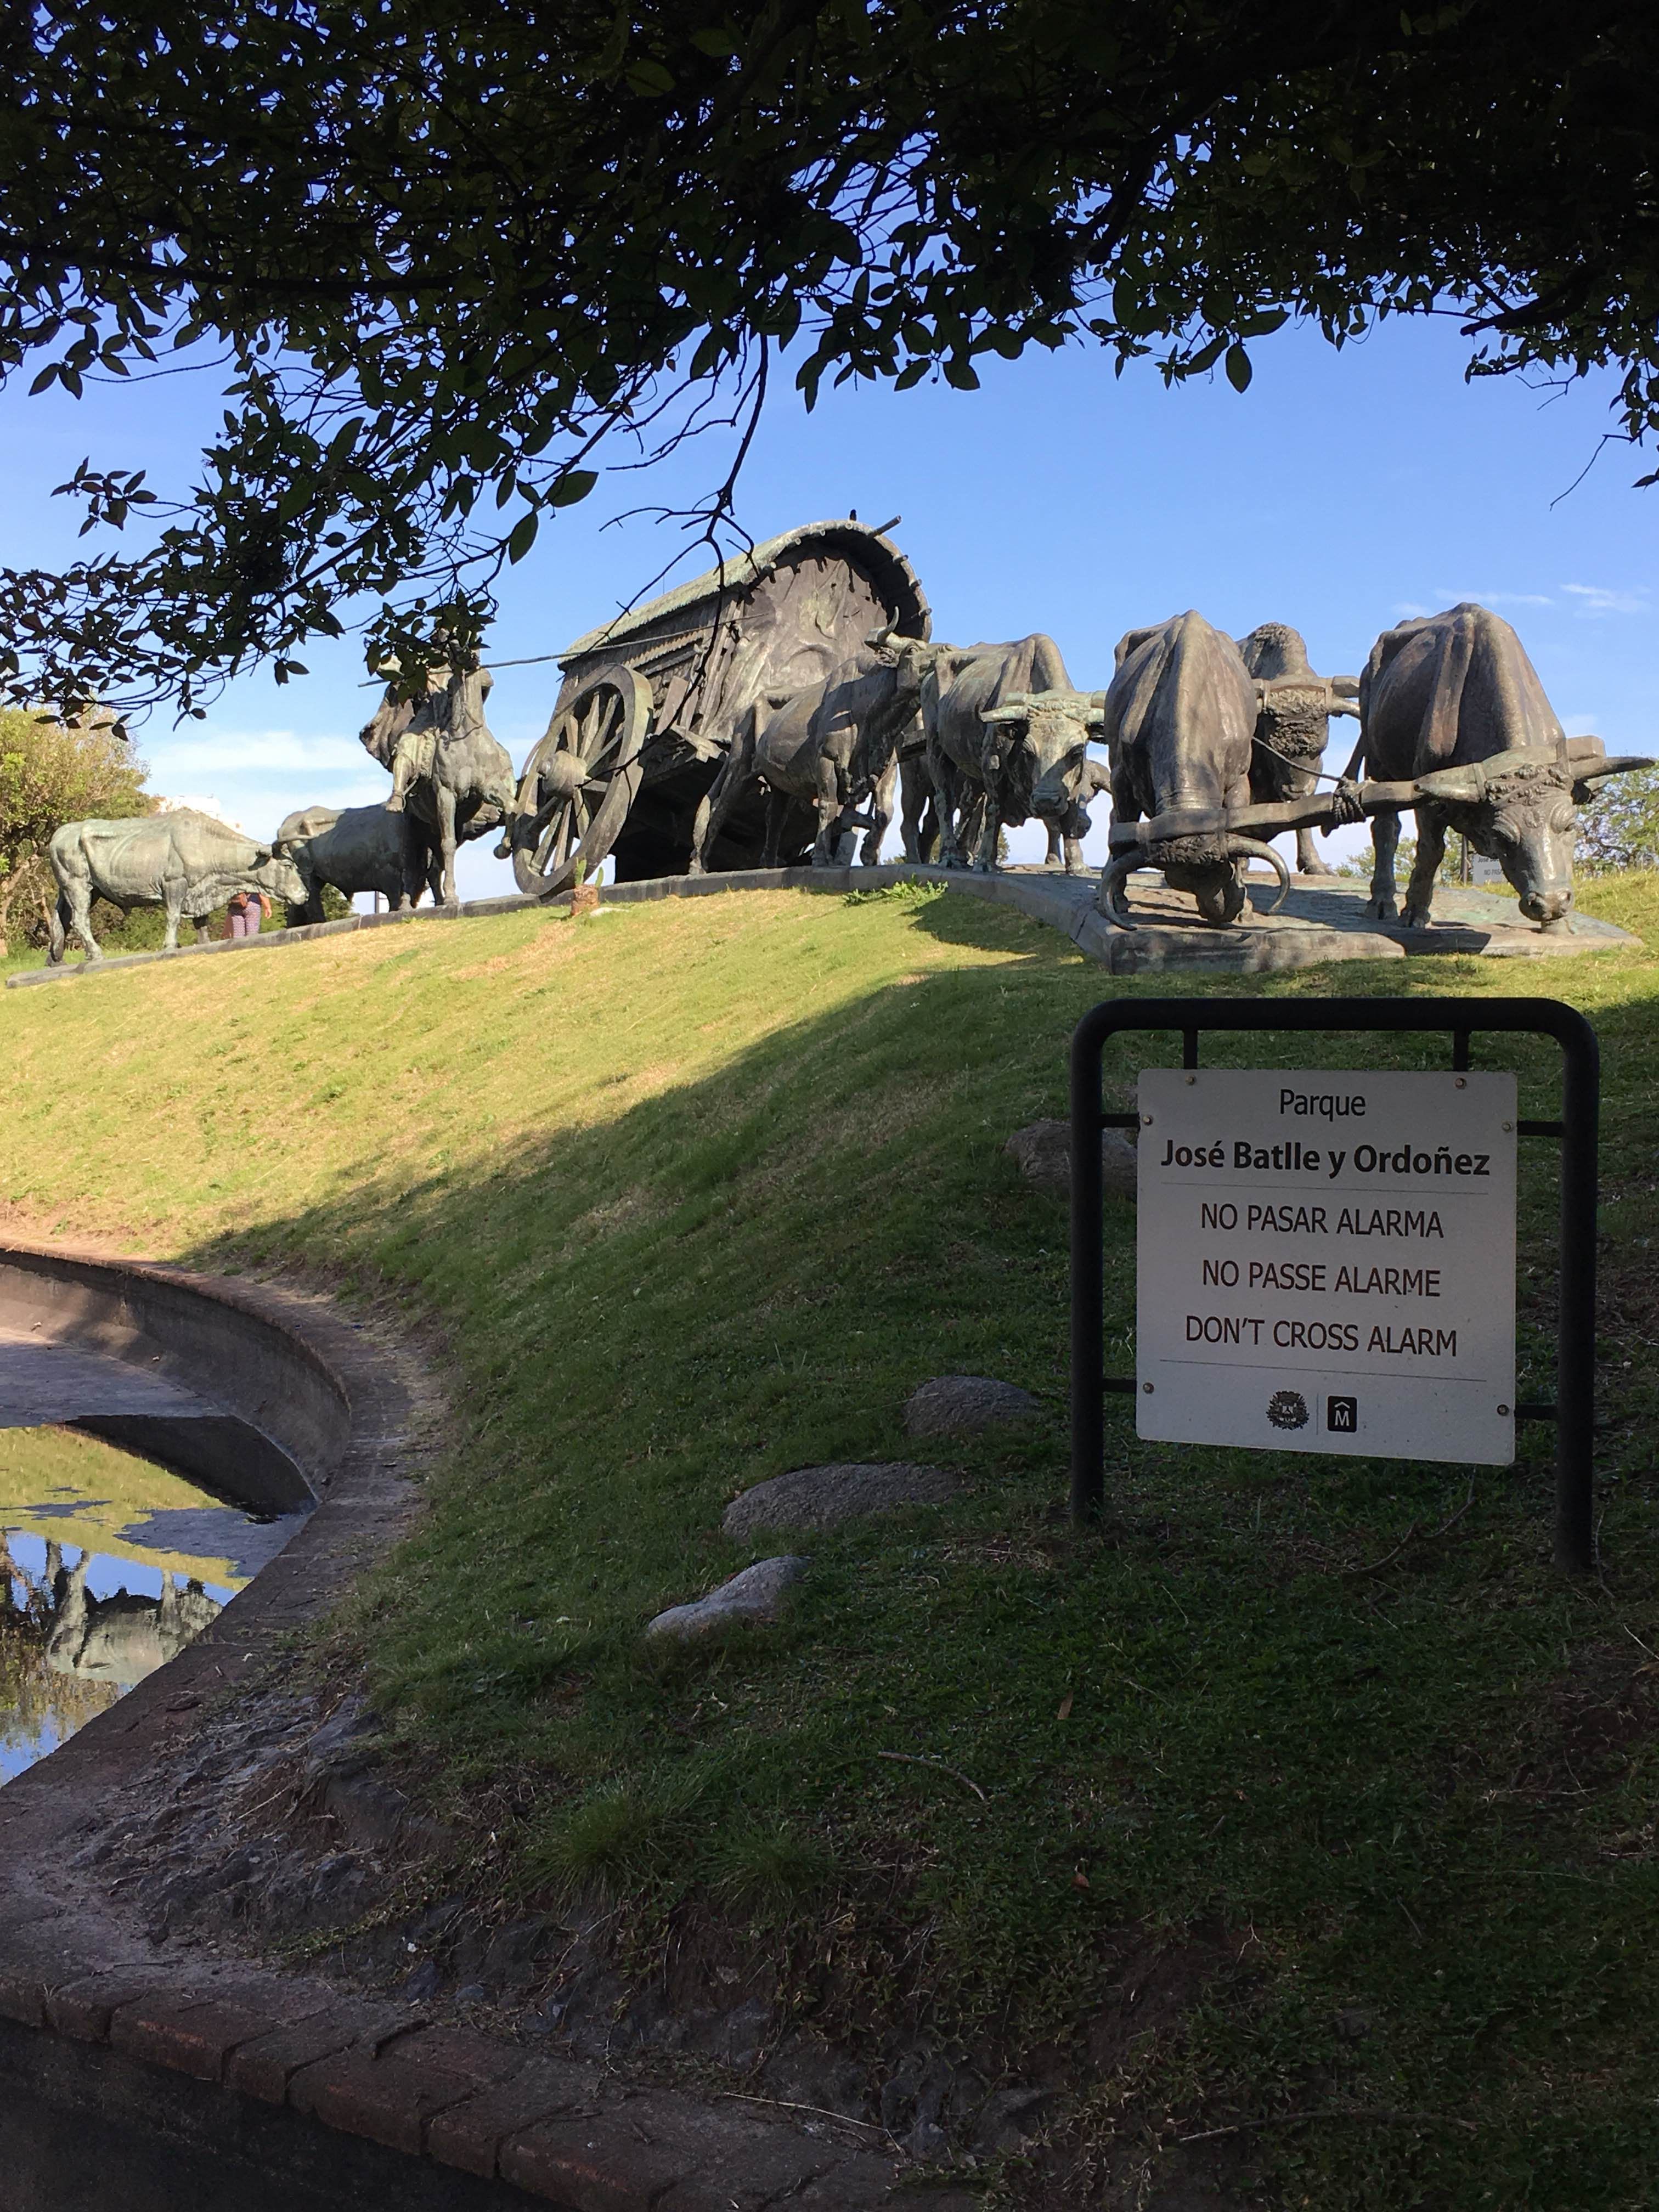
(1429, 1372)
(1327, 1262)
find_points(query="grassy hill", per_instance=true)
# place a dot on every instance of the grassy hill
(1296, 1803)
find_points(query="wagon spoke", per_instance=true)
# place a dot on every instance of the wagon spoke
(593, 726)
(606, 757)
(597, 735)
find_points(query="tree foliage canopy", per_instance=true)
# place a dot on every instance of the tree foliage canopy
(448, 253)
(50, 774)
(1621, 831)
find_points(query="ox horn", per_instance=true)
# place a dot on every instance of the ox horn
(1621, 764)
(1005, 714)
(1111, 883)
(1455, 784)
(1252, 848)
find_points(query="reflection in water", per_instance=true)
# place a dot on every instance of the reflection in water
(109, 1567)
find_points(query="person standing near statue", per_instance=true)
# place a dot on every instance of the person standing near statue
(245, 912)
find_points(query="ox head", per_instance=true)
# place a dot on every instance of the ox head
(276, 875)
(1520, 809)
(1037, 743)
(909, 658)
(305, 822)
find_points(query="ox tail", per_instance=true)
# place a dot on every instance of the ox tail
(1253, 848)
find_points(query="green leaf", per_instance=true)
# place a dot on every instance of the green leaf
(1239, 371)
(573, 485)
(646, 75)
(523, 536)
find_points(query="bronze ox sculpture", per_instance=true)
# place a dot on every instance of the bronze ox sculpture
(1180, 718)
(1452, 702)
(188, 864)
(992, 735)
(362, 848)
(1292, 723)
(1454, 724)
(1007, 738)
(833, 746)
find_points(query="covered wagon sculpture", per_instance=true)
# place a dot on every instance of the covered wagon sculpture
(653, 701)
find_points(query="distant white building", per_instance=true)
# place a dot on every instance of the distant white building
(193, 803)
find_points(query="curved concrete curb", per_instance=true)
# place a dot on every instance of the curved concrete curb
(1064, 902)
(233, 2088)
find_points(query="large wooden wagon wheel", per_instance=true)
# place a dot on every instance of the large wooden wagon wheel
(579, 783)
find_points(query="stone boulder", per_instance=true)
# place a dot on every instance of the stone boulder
(822, 1497)
(1043, 1153)
(965, 1406)
(758, 1595)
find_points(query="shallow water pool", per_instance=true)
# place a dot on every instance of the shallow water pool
(109, 1567)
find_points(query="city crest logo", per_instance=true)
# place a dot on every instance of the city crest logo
(1288, 1409)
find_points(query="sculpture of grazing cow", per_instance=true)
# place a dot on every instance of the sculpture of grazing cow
(1454, 695)
(1007, 736)
(1292, 723)
(361, 848)
(183, 862)
(834, 744)
(1180, 719)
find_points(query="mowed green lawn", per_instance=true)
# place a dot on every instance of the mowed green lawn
(698, 1193)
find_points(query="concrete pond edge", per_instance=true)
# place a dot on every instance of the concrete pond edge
(242, 2086)
(1062, 902)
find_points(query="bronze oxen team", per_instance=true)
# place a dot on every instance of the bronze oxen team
(1209, 740)
(762, 715)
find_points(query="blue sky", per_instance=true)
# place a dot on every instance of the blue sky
(1342, 491)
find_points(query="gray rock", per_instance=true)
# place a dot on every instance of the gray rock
(965, 1404)
(341, 1745)
(1043, 1153)
(423, 1982)
(805, 2069)
(755, 1594)
(1011, 2115)
(821, 1497)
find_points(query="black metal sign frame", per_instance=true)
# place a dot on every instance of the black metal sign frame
(1573, 1410)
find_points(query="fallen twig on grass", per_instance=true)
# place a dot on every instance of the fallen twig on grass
(1384, 2112)
(1376, 1565)
(914, 1758)
(820, 2111)
(1432, 1536)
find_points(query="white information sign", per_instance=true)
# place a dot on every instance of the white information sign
(1327, 1262)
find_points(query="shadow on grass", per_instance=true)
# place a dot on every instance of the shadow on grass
(1244, 1702)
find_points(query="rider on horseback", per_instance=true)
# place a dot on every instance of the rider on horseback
(417, 728)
